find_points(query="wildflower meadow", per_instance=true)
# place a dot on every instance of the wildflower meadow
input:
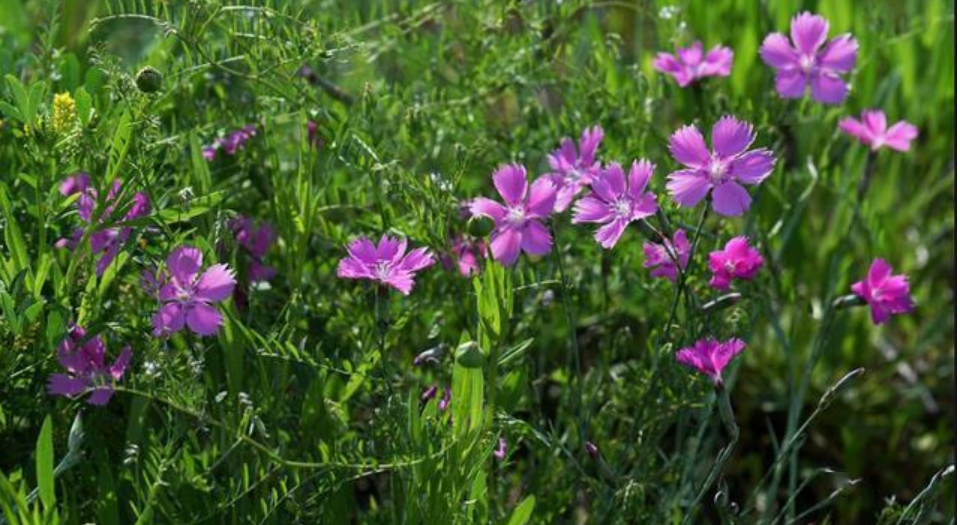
(478, 262)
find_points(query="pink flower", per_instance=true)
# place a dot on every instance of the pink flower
(468, 254)
(737, 260)
(722, 170)
(86, 370)
(663, 257)
(872, 129)
(501, 451)
(690, 64)
(615, 202)
(885, 293)
(709, 357)
(519, 223)
(105, 241)
(231, 143)
(256, 242)
(808, 61)
(572, 170)
(186, 294)
(387, 263)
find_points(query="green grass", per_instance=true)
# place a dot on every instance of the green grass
(305, 407)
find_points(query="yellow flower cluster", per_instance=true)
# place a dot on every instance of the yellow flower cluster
(64, 113)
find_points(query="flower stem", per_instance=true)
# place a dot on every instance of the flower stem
(574, 347)
(725, 408)
(682, 279)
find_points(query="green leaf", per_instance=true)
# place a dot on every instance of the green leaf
(521, 514)
(84, 106)
(45, 478)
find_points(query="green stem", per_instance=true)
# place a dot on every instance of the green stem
(574, 347)
(725, 408)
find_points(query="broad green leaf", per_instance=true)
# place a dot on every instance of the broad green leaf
(521, 514)
(45, 477)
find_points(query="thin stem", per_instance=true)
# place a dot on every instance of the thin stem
(574, 342)
(725, 409)
(682, 279)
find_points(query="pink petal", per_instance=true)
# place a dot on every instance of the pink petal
(100, 396)
(854, 128)
(168, 319)
(880, 270)
(666, 63)
(120, 365)
(840, 54)
(402, 281)
(731, 137)
(688, 148)
(726, 351)
(692, 55)
(389, 248)
(543, 195)
(487, 208)
(505, 245)
(828, 88)
(64, 385)
(203, 319)
(777, 52)
(640, 173)
(688, 187)
(591, 209)
(791, 83)
(875, 121)
(609, 234)
(350, 268)
(808, 32)
(216, 284)
(753, 167)
(899, 136)
(416, 260)
(589, 142)
(718, 61)
(183, 263)
(536, 239)
(511, 182)
(610, 184)
(730, 199)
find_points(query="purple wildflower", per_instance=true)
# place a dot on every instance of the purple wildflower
(872, 130)
(615, 202)
(573, 169)
(709, 357)
(887, 294)
(444, 400)
(501, 451)
(387, 263)
(722, 170)
(737, 260)
(663, 257)
(186, 294)
(518, 224)
(808, 61)
(313, 135)
(467, 253)
(231, 143)
(105, 241)
(256, 242)
(690, 64)
(86, 368)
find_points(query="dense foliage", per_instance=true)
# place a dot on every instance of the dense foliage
(185, 339)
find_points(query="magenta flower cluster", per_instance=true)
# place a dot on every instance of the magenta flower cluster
(231, 143)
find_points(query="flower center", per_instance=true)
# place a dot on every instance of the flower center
(807, 62)
(622, 207)
(729, 266)
(718, 170)
(382, 270)
(516, 215)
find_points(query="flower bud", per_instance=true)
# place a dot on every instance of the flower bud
(479, 226)
(149, 80)
(848, 301)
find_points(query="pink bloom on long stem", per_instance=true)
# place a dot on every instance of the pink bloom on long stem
(616, 202)
(722, 171)
(737, 260)
(467, 253)
(807, 61)
(886, 294)
(186, 294)
(518, 223)
(709, 357)
(872, 130)
(690, 64)
(387, 263)
(573, 169)
(664, 257)
(86, 368)
(104, 241)
(256, 242)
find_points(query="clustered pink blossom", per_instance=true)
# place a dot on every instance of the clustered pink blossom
(87, 371)
(387, 263)
(720, 172)
(666, 256)
(186, 295)
(255, 242)
(887, 294)
(737, 260)
(467, 254)
(810, 60)
(690, 64)
(105, 242)
(573, 167)
(710, 357)
(872, 130)
(615, 202)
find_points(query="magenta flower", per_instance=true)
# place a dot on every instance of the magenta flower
(231, 143)
(722, 170)
(709, 357)
(808, 61)
(616, 202)
(518, 224)
(186, 294)
(444, 400)
(431, 392)
(737, 260)
(885, 293)
(663, 257)
(501, 451)
(104, 241)
(387, 263)
(313, 135)
(572, 170)
(86, 369)
(467, 253)
(255, 242)
(872, 129)
(690, 64)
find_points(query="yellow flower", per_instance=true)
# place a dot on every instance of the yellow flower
(64, 113)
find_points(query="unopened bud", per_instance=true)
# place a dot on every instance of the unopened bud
(479, 226)
(149, 80)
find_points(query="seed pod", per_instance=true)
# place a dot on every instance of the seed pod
(149, 80)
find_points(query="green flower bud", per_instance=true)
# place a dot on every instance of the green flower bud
(479, 226)
(149, 80)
